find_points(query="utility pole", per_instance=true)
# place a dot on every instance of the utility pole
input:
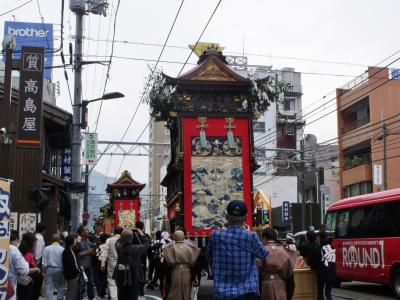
(303, 187)
(9, 45)
(79, 10)
(384, 135)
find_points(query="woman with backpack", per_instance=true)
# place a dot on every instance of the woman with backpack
(128, 272)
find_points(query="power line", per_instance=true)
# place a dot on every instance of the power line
(9, 4)
(321, 61)
(147, 84)
(194, 64)
(106, 49)
(345, 97)
(361, 131)
(97, 52)
(109, 63)
(372, 161)
(377, 149)
(123, 158)
(323, 98)
(42, 19)
(326, 158)
(201, 35)
(154, 69)
(15, 8)
(62, 52)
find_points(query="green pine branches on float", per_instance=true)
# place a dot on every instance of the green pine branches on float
(265, 91)
(160, 96)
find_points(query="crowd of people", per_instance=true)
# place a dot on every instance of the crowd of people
(246, 267)
(82, 264)
(124, 264)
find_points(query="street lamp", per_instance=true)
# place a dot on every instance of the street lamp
(84, 112)
(84, 104)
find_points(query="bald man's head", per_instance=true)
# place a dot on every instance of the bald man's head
(179, 236)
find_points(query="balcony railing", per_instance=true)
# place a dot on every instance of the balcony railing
(355, 161)
(295, 88)
(354, 83)
(354, 125)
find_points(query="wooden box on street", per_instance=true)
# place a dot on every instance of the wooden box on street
(306, 284)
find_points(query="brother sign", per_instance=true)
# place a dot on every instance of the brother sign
(33, 34)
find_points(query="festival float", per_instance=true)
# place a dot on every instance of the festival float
(209, 112)
(124, 204)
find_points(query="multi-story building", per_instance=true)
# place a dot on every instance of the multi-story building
(321, 178)
(368, 125)
(158, 160)
(277, 135)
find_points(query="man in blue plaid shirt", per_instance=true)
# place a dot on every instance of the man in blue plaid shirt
(232, 253)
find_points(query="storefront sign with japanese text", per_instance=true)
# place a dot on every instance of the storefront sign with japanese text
(90, 148)
(31, 94)
(4, 235)
(286, 212)
(66, 165)
(27, 223)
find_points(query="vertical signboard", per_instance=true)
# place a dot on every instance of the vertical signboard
(30, 95)
(4, 235)
(35, 35)
(378, 174)
(285, 212)
(66, 165)
(90, 148)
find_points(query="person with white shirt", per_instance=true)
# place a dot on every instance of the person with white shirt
(53, 268)
(40, 243)
(109, 255)
(18, 265)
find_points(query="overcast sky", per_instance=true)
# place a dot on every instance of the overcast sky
(359, 33)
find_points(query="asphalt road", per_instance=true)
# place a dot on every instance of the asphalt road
(348, 291)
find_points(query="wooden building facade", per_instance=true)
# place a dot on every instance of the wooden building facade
(36, 171)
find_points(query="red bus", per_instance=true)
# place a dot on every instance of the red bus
(366, 235)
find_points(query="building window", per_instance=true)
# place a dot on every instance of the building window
(259, 127)
(357, 155)
(289, 129)
(357, 189)
(289, 104)
(356, 115)
(259, 153)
